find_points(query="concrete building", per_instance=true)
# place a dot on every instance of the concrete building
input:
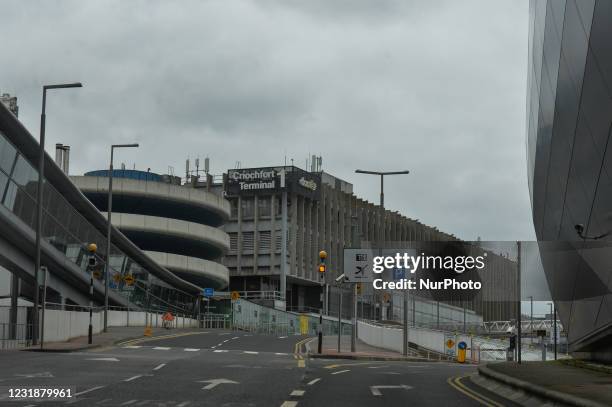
(174, 225)
(319, 211)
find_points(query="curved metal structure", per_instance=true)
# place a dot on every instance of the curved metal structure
(70, 222)
(569, 159)
(179, 224)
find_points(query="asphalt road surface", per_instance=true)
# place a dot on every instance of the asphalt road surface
(231, 369)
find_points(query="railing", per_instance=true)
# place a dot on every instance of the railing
(15, 336)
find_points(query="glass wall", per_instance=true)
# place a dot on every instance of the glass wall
(69, 232)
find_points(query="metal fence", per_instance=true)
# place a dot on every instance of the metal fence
(15, 336)
(253, 317)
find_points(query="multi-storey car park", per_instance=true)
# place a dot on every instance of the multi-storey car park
(176, 226)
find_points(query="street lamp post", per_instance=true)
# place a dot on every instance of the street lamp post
(380, 239)
(553, 318)
(109, 229)
(39, 199)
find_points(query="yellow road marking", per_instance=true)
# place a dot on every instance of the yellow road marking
(301, 363)
(455, 382)
(297, 354)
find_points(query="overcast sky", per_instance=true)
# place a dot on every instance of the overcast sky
(435, 87)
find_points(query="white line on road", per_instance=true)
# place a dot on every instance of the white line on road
(281, 354)
(282, 337)
(341, 371)
(289, 404)
(297, 393)
(89, 390)
(105, 359)
(220, 351)
(313, 381)
(235, 337)
(159, 366)
(132, 347)
(377, 367)
(376, 389)
(250, 352)
(161, 348)
(226, 340)
(127, 403)
(221, 344)
(133, 378)
(191, 349)
(183, 404)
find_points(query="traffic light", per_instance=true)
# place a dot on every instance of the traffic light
(91, 261)
(359, 289)
(322, 267)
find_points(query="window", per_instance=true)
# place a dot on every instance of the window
(7, 155)
(263, 206)
(247, 207)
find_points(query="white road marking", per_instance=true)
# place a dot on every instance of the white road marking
(161, 348)
(226, 340)
(159, 366)
(297, 393)
(376, 389)
(313, 381)
(183, 404)
(221, 344)
(133, 378)
(282, 337)
(215, 382)
(341, 371)
(235, 337)
(219, 351)
(289, 404)
(88, 390)
(105, 359)
(191, 350)
(250, 352)
(281, 354)
(377, 367)
(224, 333)
(127, 403)
(132, 347)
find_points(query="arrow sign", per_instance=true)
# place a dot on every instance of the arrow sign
(215, 382)
(376, 389)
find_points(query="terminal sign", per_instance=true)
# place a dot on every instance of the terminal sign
(209, 292)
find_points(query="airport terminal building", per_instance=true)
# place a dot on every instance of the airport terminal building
(316, 211)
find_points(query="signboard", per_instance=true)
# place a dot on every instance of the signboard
(209, 292)
(266, 180)
(358, 265)
(449, 344)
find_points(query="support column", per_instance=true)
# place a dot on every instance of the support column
(14, 305)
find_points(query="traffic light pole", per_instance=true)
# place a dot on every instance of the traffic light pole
(322, 269)
(354, 327)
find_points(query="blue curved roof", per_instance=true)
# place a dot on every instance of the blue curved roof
(132, 174)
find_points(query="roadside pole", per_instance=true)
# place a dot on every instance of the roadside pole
(354, 327)
(519, 311)
(339, 315)
(405, 330)
(322, 268)
(91, 263)
(45, 272)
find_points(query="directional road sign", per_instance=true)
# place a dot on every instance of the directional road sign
(358, 265)
(209, 292)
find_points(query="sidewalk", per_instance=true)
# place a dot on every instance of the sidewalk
(553, 381)
(363, 350)
(113, 336)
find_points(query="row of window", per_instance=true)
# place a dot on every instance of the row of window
(65, 229)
